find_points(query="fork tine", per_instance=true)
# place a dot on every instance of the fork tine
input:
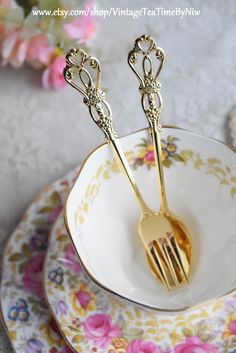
(157, 261)
(163, 245)
(176, 253)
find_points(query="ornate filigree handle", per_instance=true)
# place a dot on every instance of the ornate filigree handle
(144, 48)
(78, 73)
(82, 65)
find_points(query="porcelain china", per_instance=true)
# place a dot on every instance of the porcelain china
(25, 315)
(101, 215)
(94, 321)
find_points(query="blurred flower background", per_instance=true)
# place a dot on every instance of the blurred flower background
(41, 41)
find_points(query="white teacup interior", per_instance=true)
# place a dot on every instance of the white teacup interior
(103, 215)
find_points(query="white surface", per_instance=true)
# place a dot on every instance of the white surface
(43, 134)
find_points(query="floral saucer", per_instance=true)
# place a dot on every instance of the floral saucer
(28, 323)
(94, 321)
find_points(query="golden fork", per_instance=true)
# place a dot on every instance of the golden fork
(173, 242)
(79, 75)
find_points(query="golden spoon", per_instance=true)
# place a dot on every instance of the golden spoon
(78, 73)
(178, 239)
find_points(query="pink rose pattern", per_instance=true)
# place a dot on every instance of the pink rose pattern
(141, 346)
(195, 345)
(150, 156)
(232, 327)
(72, 259)
(32, 275)
(100, 329)
(83, 298)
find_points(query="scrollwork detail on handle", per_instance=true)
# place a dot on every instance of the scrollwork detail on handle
(150, 85)
(94, 97)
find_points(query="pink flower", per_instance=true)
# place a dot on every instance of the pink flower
(39, 52)
(83, 298)
(14, 49)
(72, 259)
(232, 327)
(8, 3)
(53, 75)
(82, 28)
(52, 216)
(150, 156)
(195, 345)
(32, 275)
(141, 346)
(100, 329)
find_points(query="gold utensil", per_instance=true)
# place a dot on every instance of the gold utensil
(78, 73)
(173, 241)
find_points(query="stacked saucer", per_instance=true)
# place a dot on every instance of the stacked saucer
(49, 304)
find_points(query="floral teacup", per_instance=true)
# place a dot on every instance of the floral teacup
(102, 216)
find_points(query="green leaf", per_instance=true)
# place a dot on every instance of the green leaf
(27, 5)
(172, 139)
(40, 222)
(187, 332)
(177, 157)
(46, 209)
(8, 284)
(26, 250)
(73, 328)
(99, 171)
(141, 145)
(55, 198)
(11, 17)
(77, 338)
(144, 141)
(206, 337)
(233, 179)
(128, 155)
(187, 154)
(106, 174)
(62, 237)
(54, 257)
(167, 163)
(32, 300)
(49, 4)
(134, 332)
(228, 170)
(219, 170)
(130, 334)
(23, 266)
(198, 163)
(213, 161)
(233, 191)
(16, 257)
(34, 309)
(202, 330)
